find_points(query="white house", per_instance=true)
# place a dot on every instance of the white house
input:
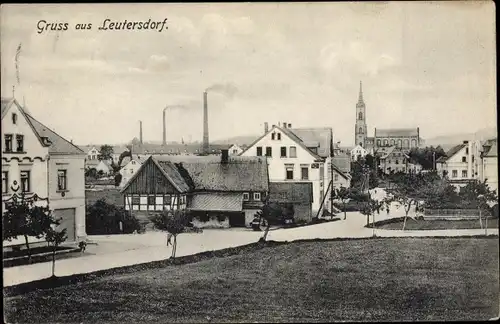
(358, 152)
(300, 155)
(131, 166)
(103, 166)
(461, 164)
(38, 162)
(93, 153)
(235, 149)
(489, 164)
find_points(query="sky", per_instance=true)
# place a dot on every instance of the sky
(427, 65)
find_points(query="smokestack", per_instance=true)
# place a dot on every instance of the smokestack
(140, 131)
(266, 127)
(284, 124)
(164, 129)
(205, 123)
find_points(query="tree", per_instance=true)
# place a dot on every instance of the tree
(411, 189)
(106, 152)
(104, 218)
(173, 222)
(55, 238)
(347, 194)
(478, 195)
(427, 156)
(23, 218)
(91, 173)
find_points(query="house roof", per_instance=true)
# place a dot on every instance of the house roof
(208, 174)
(315, 137)
(217, 201)
(451, 152)
(490, 148)
(396, 132)
(291, 133)
(91, 163)
(57, 144)
(291, 192)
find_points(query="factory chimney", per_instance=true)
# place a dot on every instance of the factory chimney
(205, 123)
(164, 128)
(140, 131)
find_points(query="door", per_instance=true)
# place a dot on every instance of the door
(237, 219)
(68, 221)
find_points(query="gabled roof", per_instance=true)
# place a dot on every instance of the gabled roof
(490, 148)
(207, 173)
(56, 144)
(454, 150)
(321, 137)
(291, 134)
(396, 132)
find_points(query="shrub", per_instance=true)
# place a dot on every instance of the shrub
(103, 218)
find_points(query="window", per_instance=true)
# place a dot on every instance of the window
(304, 172)
(246, 196)
(269, 151)
(360, 130)
(283, 151)
(131, 171)
(167, 200)
(464, 159)
(336, 177)
(273, 135)
(279, 136)
(14, 118)
(256, 196)
(25, 181)
(464, 173)
(454, 173)
(293, 152)
(133, 162)
(5, 182)
(62, 180)
(386, 142)
(466, 150)
(136, 200)
(473, 158)
(259, 151)
(151, 200)
(360, 115)
(379, 143)
(20, 143)
(235, 151)
(289, 171)
(8, 143)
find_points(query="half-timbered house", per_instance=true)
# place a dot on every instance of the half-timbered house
(226, 189)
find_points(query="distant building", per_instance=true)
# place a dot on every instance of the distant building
(36, 161)
(226, 189)
(130, 167)
(489, 158)
(358, 152)
(461, 164)
(235, 149)
(104, 166)
(298, 194)
(403, 138)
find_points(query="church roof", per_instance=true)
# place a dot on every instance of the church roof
(396, 132)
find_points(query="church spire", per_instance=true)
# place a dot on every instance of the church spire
(360, 99)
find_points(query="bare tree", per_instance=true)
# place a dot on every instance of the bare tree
(55, 237)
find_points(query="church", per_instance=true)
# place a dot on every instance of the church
(402, 138)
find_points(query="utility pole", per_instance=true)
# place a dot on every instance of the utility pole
(434, 160)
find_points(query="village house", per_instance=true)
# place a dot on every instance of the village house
(227, 190)
(130, 167)
(358, 152)
(489, 158)
(300, 155)
(235, 149)
(38, 162)
(395, 160)
(461, 164)
(298, 194)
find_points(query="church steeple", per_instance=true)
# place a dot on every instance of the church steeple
(360, 99)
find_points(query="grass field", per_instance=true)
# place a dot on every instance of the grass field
(354, 280)
(439, 224)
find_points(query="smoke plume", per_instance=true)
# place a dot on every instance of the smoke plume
(226, 89)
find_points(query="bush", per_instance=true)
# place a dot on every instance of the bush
(349, 207)
(103, 218)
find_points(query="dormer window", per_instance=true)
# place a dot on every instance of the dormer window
(14, 118)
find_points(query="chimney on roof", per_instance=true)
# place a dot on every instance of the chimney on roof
(205, 123)
(466, 142)
(266, 127)
(140, 131)
(289, 125)
(284, 124)
(225, 156)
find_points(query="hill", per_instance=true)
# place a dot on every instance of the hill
(447, 141)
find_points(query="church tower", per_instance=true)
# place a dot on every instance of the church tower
(360, 132)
